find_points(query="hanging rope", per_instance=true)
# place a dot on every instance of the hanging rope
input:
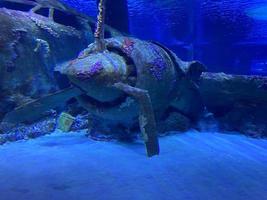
(100, 26)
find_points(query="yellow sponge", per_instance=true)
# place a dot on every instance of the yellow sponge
(65, 121)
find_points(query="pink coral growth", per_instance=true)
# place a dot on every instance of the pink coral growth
(128, 46)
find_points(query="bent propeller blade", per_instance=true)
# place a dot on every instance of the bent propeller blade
(147, 120)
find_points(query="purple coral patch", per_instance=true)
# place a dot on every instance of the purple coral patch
(95, 68)
(92, 71)
(158, 66)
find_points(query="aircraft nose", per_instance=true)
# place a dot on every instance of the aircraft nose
(97, 73)
(103, 67)
(83, 69)
(90, 72)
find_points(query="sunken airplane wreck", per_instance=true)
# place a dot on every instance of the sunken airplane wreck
(121, 80)
(111, 73)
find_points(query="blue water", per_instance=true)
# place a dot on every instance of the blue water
(226, 35)
(192, 166)
(258, 12)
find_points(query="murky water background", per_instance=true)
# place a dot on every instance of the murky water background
(226, 35)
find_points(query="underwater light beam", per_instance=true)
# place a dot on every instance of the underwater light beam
(258, 13)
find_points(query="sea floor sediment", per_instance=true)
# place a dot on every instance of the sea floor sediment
(192, 166)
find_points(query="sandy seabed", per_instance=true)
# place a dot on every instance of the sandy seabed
(191, 166)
